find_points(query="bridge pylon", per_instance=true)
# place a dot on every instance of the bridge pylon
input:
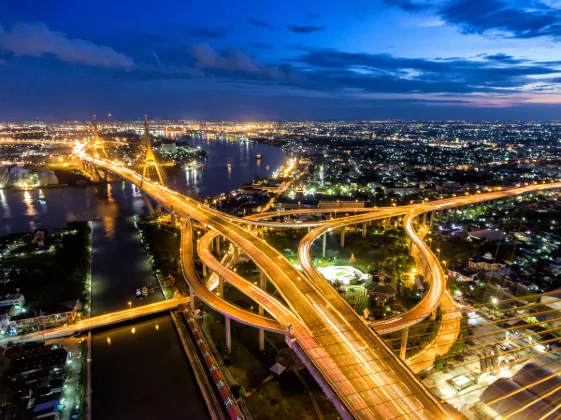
(97, 147)
(149, 157)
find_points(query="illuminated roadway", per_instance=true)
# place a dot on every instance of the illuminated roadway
(437, 288)
(364, 373)
(216, 302)
(100, 321)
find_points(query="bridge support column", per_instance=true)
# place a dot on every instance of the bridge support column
(263, 286)
(324, 244)
(425, 219)
(221, 286)
(236, 254)
(386, 223)
(364, 230)
(149, 205)
(343, 237)
(172, 218)
(204, 269)
(228, 335)
(431, 219)
(426, 272)
(403, 349)
(192, 298)
(433, 315)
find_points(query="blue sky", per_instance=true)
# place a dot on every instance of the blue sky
(357, 59)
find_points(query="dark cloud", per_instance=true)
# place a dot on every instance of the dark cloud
(511, 18)
(233, 60)
(305, 29)
(208, 33)
(260, 23)
(503, 58)
(408, 5)
(37, 40)
(518, 21)
(332, 69)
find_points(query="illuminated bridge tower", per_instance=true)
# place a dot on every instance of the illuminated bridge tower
(149, 158)
(98, 149)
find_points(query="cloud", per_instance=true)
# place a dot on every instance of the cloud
(37, 40)
(260, 23)
(503, 58)
(305, 29)
(204, 32)
(509, 18)
(332, 69)
(234, 60)
(408, 5)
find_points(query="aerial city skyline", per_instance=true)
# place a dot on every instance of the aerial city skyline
(262, 210)
(403, 59)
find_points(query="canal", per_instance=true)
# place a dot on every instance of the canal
(145, 374)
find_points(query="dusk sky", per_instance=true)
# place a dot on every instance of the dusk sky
(357, 59)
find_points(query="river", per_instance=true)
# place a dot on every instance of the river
(144, 375)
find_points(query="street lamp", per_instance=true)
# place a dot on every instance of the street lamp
(130, 304)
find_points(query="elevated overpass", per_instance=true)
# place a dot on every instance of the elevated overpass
(100, 321)
(342, 352)
(348, 356)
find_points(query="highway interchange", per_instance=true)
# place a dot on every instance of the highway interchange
(351, 360)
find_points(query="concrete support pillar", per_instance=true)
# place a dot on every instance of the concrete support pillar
(263, 286)
(192, 298)
(148, 203)
(288, 218)
(425, 219)
(236, 253)
(343, 237)
(204, 269)
(403, 349)
(433, 315)
(228, 335)
(386, 223)
(426, 272)
(364, 230)
(324, 245)
(432, 215)
(172, 218)
(221, 286)
(261, 339)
